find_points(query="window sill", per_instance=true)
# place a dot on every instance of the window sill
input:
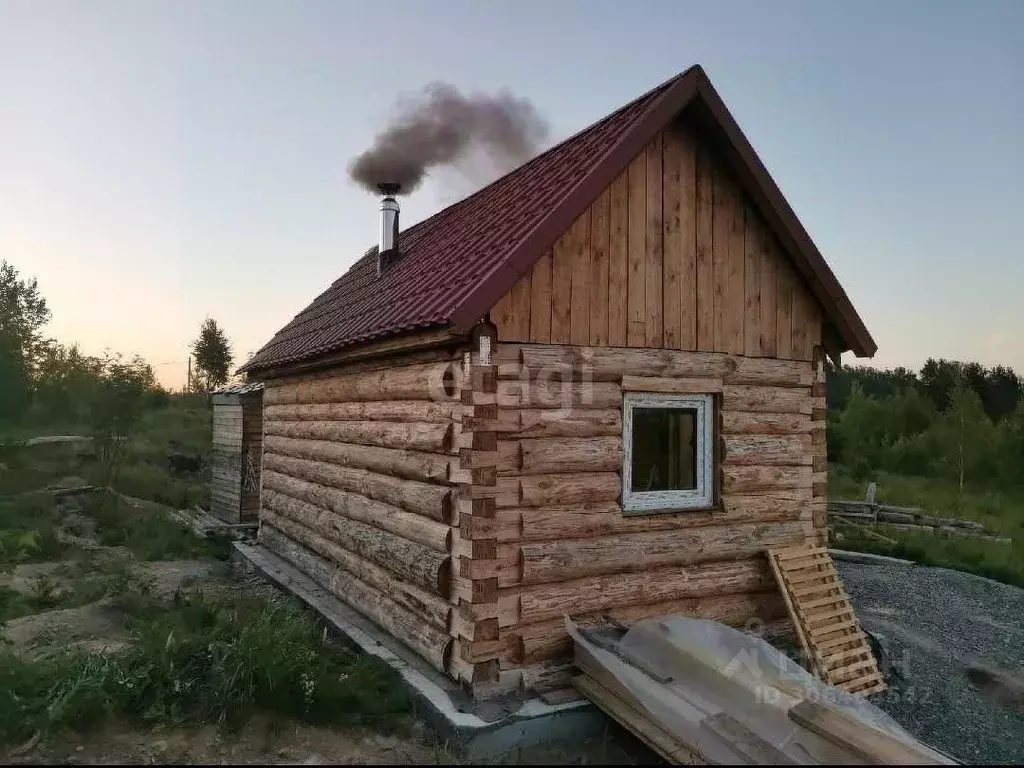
(714, 509)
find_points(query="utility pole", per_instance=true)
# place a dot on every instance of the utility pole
(188, 381)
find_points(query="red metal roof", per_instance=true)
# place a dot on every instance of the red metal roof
(456, 264)
(445, 256)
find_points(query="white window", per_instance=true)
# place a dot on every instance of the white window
(669, 462)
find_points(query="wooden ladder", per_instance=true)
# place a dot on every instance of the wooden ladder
(825, 624)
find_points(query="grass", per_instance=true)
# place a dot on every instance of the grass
(202, 661)
(147, 532)
(14, 604)
(184, 420)
(1000, 562)
(999, 511)
(28, 532)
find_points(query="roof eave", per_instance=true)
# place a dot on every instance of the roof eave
(410, 340)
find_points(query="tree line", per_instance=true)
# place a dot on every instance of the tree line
(42, 380)
(959, 421)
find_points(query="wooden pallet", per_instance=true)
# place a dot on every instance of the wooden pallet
(826, 626)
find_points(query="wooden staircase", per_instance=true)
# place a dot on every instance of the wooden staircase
(828, 630)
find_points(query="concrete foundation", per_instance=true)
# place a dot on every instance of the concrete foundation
(475, 729)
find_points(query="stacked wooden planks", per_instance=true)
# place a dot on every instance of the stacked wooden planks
(691, 704)
(826, 626)
(908, 519)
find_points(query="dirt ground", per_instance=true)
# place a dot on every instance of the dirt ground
(260, 742)
(265, 742)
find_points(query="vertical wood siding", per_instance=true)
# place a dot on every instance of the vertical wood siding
(226, 463)
(671, 255)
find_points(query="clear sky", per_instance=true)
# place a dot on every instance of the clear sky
(165, 161)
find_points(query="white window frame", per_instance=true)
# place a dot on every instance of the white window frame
(639, 502)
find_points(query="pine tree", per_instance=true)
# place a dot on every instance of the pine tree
(212, 356)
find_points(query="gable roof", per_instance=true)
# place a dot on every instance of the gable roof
(459, 262)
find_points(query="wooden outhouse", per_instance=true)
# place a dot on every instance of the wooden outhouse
(236, 461)
(596, 386)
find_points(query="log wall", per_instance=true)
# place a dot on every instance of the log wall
(361, 473)
(471, 511)
(671, 255)
(562, 544)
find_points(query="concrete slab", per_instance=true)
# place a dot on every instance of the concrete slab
(476, 732)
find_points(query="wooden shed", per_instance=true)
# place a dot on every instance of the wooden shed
(596, 386)
(237, 457)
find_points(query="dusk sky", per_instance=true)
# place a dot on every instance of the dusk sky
(165, 161)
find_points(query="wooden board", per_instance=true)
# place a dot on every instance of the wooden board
(826, 627)
(874, 746)
(668, 748)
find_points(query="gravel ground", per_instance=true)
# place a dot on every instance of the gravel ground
(935, 623)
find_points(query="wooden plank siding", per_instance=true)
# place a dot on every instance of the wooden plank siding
(671, 255)
(226, 462)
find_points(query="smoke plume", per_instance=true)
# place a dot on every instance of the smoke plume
(439, 126)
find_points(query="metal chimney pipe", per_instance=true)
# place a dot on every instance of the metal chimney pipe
(387, 247)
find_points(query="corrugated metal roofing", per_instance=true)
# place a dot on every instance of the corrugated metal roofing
(239, 389)
(445, 256)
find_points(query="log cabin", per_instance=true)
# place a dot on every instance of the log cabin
(594, 387)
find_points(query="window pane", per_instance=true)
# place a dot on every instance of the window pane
(664, 449)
